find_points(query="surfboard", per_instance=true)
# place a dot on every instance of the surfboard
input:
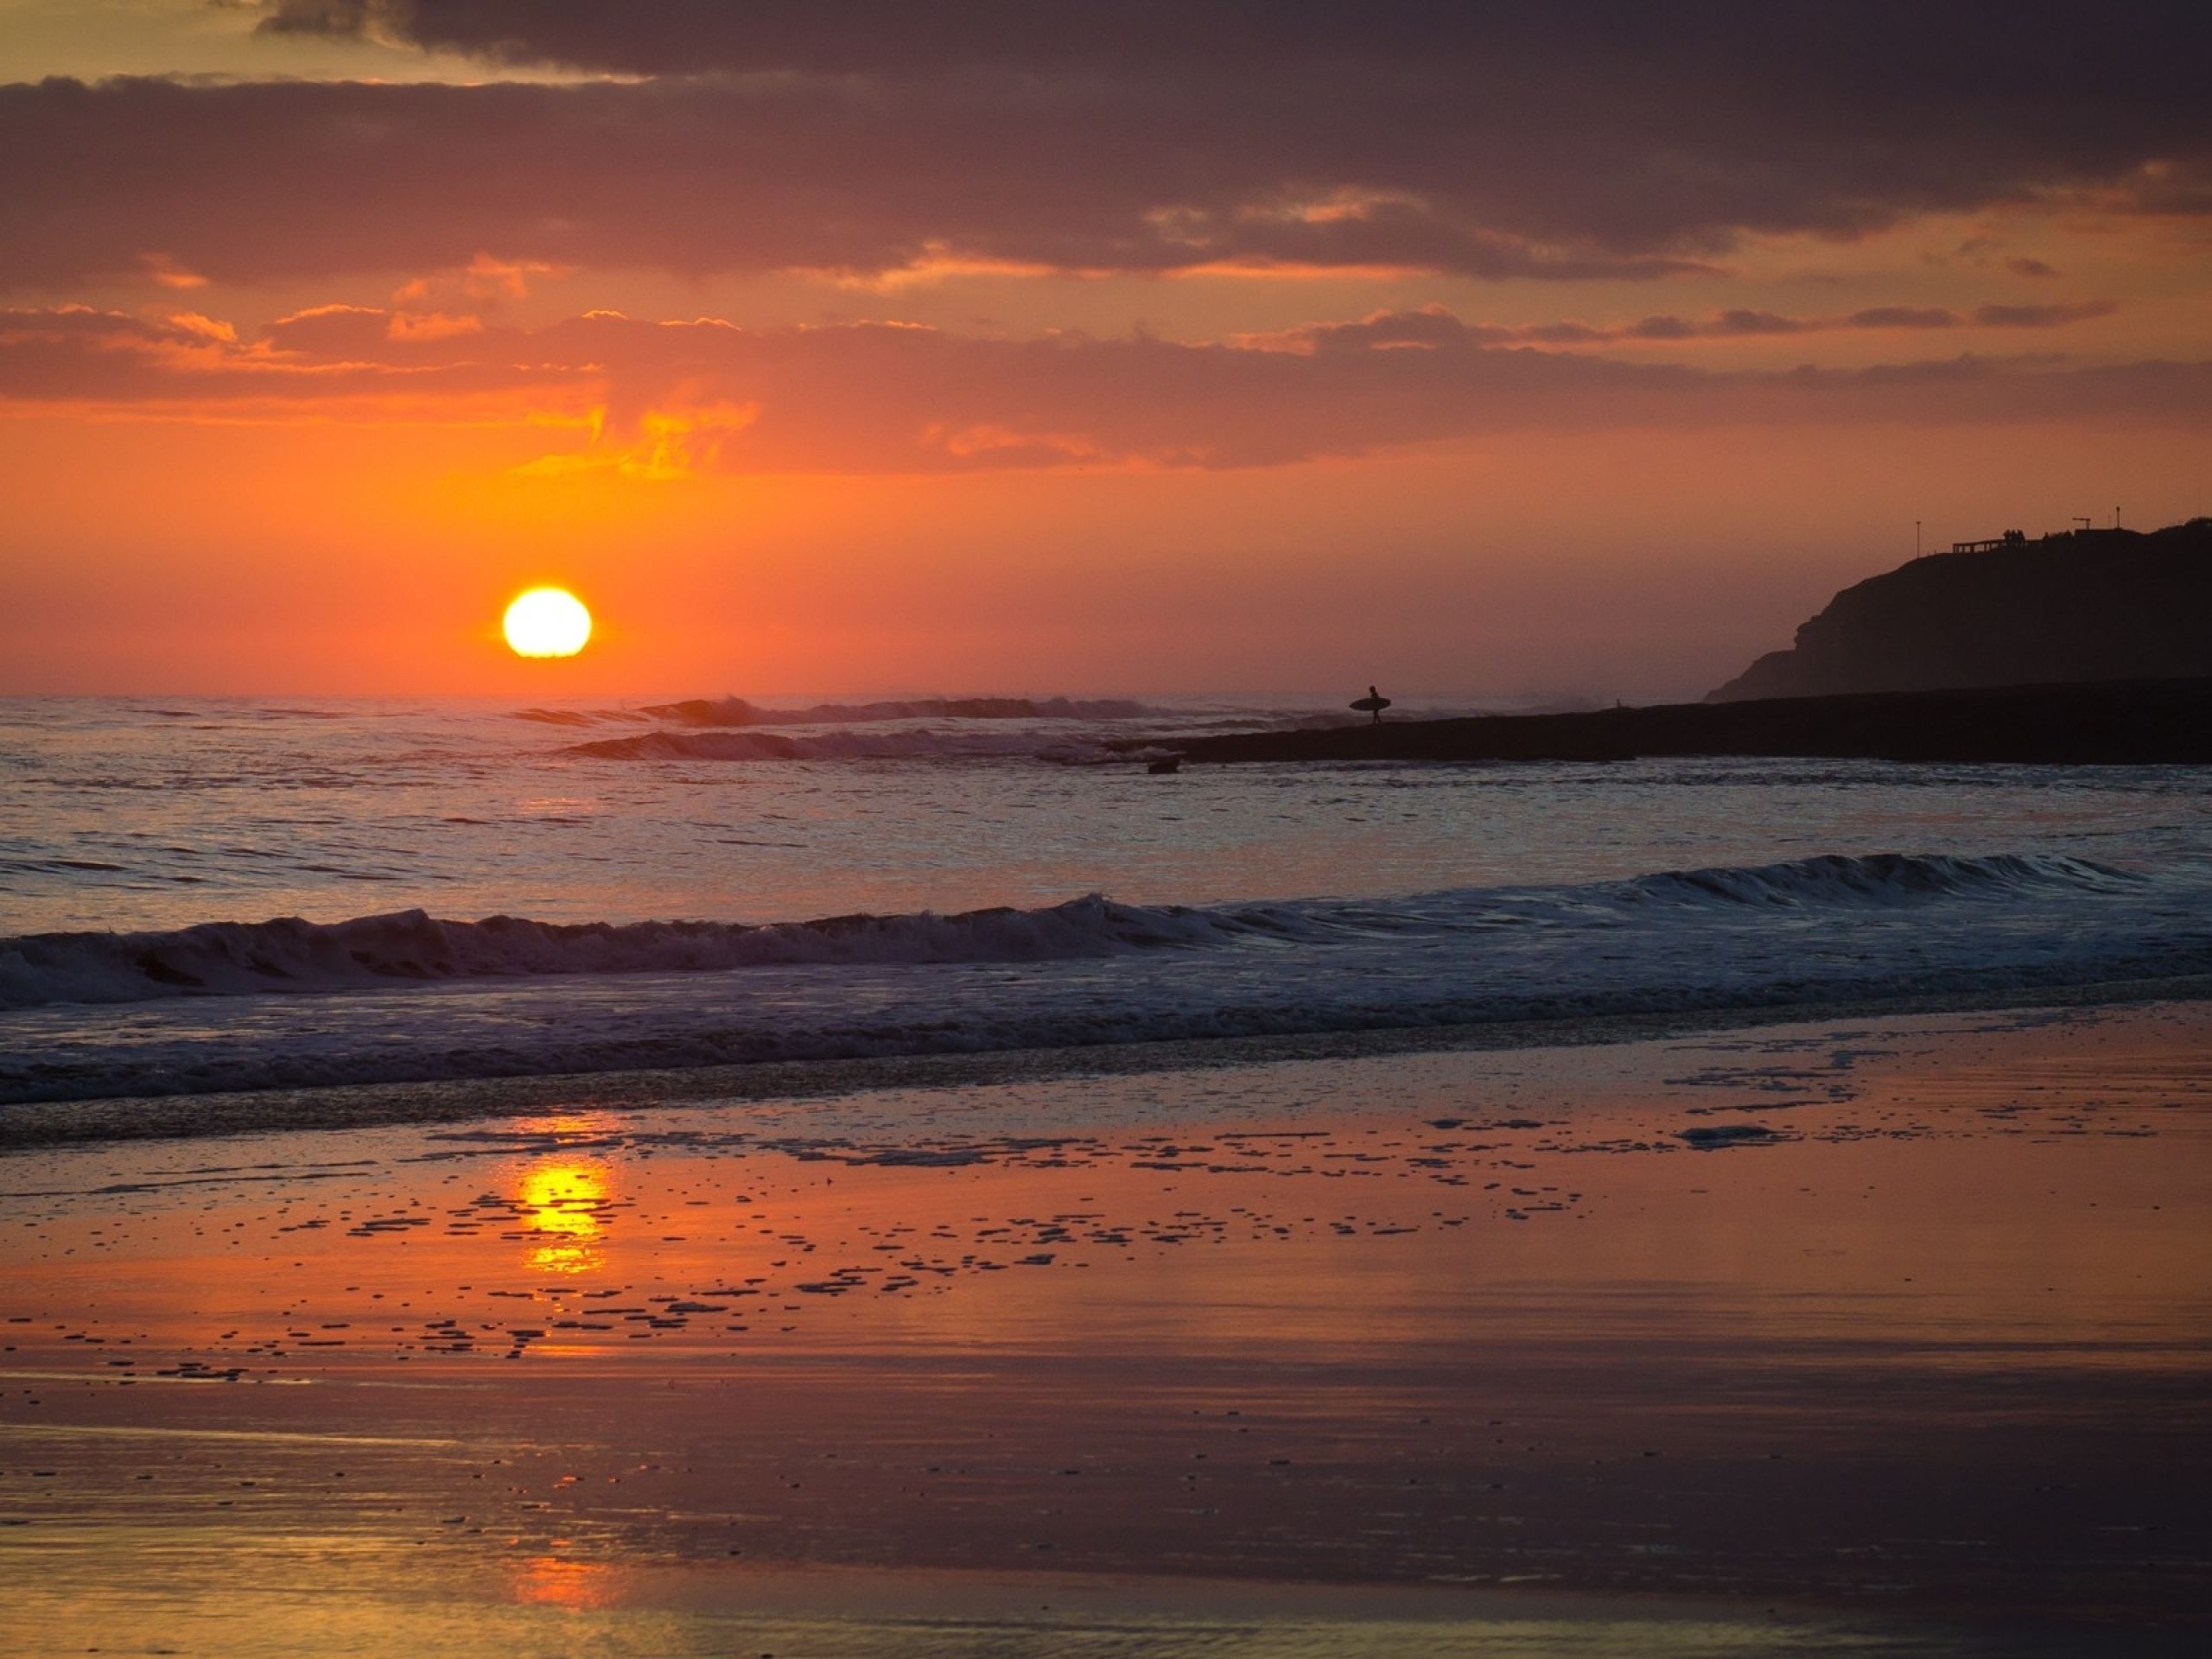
(1372, 705)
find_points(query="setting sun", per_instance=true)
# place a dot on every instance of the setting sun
(547, 622)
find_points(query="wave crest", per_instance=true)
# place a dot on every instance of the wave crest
(737, 712)
(1881, 878)
(290, 954)
(835, 746)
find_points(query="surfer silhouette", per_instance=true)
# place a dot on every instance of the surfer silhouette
(1373, 703)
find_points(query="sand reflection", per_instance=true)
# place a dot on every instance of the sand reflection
(561, 1202)
(556, 1581)
(1463, 1323)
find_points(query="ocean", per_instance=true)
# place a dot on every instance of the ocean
(216, 894)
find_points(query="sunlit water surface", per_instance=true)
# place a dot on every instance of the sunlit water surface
(1223, 901)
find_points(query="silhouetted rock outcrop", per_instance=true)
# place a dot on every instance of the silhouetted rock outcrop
(2094, 605)
(2112, 723)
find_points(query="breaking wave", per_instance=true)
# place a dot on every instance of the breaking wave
(289, 954)
(1883, 878)
(243, 958)
(736, 711)
(1068, 730)
(509, 998)
(836, 745)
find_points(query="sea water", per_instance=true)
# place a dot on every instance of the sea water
(213, 894)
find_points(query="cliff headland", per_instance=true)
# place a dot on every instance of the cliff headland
(2090, 647)
(2087, 605)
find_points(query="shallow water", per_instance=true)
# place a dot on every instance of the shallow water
(145, 848)
(137, 815)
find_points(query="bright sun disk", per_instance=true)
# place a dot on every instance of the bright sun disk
(547, 622)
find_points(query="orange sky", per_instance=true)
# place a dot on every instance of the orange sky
(1043, 364)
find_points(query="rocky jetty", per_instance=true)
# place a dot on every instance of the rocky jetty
(2143, 722)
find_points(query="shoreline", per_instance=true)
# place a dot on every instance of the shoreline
(2147, 722)
(27, 1126)
(1510, 1337)
(891, 1612)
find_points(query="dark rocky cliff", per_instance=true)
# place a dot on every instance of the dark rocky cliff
(2094, 605)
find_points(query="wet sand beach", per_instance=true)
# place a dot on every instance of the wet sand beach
(1864, 1336)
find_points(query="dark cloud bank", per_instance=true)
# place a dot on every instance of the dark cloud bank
(1569, 142)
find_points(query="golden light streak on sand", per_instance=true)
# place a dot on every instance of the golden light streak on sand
(564, 1199)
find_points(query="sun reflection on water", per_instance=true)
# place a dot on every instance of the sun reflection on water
(564, 1199)
(555, 1581)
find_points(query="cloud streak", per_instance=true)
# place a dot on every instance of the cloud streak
(1434, 324)
(662, 400)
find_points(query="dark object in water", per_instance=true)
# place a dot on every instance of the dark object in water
(1162, 767)
(1373, 703)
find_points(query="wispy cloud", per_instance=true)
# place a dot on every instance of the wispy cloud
(664, 400)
